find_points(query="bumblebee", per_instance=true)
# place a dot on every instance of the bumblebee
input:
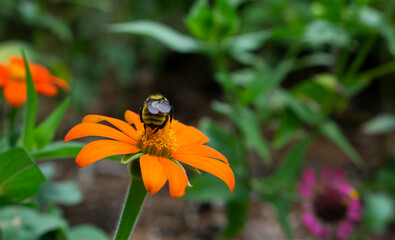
(156, 112)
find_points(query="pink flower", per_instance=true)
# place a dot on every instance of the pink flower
(332, 206)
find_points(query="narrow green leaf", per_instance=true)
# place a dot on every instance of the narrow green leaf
(20, 177)
(167, 36)
(236, 216)
(287, 172)
(30, 113)
(302, 111)
(333, 133)
(130, 157)
(249, 125)
(248, 41)
(282, 209)
(289, 127)
(60, 149)
(45, 132)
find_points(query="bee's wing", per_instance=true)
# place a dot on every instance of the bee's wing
(162, 106)
(152, 108)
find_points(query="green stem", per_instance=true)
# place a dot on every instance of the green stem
(342, 62)
(12, 118)
(379, 71)
(360, 58)
(133, 203)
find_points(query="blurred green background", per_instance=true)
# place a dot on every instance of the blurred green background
(278, 86)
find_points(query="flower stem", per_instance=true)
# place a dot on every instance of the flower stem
(133, 203)
(12, 119)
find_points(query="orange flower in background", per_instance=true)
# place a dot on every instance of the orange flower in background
(13, 81)
(162, 150)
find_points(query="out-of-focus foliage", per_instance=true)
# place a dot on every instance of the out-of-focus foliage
(27, 194)
(285, 68)
(256, 48)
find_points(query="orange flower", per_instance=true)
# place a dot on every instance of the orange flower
(13, 81)
(161, 151)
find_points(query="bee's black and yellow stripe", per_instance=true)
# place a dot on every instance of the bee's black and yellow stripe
(157, 120)
(153, 120)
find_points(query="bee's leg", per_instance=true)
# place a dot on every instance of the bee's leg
(141, 115)
(156, 129)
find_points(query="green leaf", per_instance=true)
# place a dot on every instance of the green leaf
(130, 157)
(288, 171)
(226, 19)
(249, 125)
(60, 149)
(167, 36)
(282, 209)
(320, 32)
(236, 216)
(87, 232)
(66, 193)
(20, 177)
(289, 128)
(331, 131)
(13, 48)
(247, 42)
(208, 188)
(200, 20)
(30, 113)
(379, 211)
(23, 223)
(212, 24)
(45, 132)
(382, 123)
(302, 111)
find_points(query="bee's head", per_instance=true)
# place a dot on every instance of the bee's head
(156, 97)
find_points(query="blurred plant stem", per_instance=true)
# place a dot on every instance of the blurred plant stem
(379, 71)
(367, 45)
(131, 209)
(12, 119)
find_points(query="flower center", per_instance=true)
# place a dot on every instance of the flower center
(329, 204)
(161, 143)
(17, 73)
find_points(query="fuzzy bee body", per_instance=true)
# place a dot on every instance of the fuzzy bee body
(156, 112)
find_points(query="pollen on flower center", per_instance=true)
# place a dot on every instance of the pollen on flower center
(161, 143)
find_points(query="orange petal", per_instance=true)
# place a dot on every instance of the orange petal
(133, 118)
(187, 135)
(46, 89)
(4, 75)
(15, 93)
(97, 129)
(40, 74)
(178, 179)
(152, 172)
(100, 149)
(200, 150)
(213, 166)
(121, 125)
(16, 60)
(61, 83)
